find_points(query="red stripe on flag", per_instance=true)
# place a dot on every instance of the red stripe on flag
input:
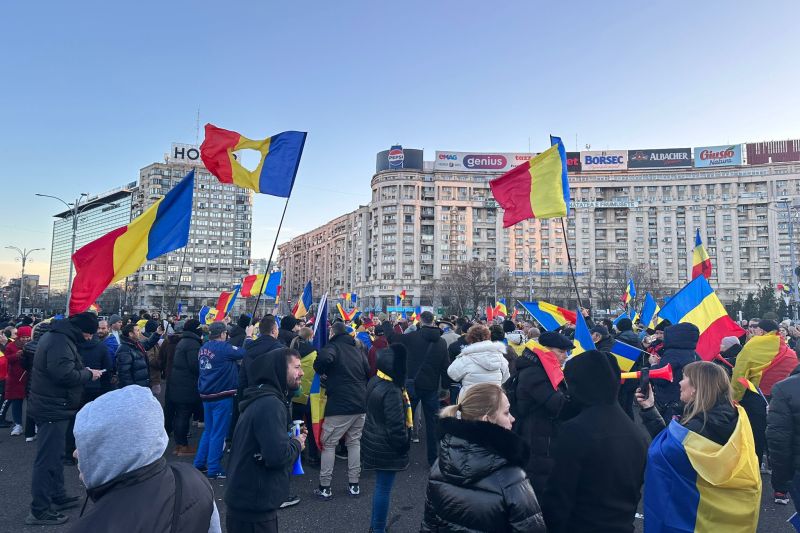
(215, 152)
(710, 339)
(94, 270)
(512, 191)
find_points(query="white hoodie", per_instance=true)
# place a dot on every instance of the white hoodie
(482, 362)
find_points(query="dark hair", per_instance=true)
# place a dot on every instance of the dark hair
(127, 329)
(426, 317)
(338, 328)
(496, 333)
(267, 324)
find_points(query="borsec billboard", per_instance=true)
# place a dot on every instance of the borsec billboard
(479, 162)
(660, 158)
(604, 160)
(719, 156)
(397, 157)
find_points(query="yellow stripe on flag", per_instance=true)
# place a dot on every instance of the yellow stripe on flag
(243, 177)
(547, 194)
(130, 248)
(705, 314)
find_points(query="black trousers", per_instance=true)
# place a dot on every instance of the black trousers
(238, 526)
(181, 418)
(47, 483)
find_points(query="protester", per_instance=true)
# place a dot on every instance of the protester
(133, 367)
(378, 344)
(428, 361)
(217, 384)
(346, 372)
(779, 368)
(94, 354)
(17, 377)
(478, 483)
(182, 392)
(448, 333)
(729, 348)
(680, 342)
(481, 361)
(27, 362)
(265, 343)
(709, 455)
(287, 330)
(56, 389)
(386, 439)
(263, 451)
(120, 443)
(238, 332)
(3, 377)
(783, 439)
(496, 334)
(599, 456)
(602, 338)
(110, 343)
(541, 396)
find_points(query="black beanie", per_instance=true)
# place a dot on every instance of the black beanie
(625, 324)
(192, 325)
(768, 325)
(244, 321)
(508, 326)
(288, 322)
(593, 378)
(86, 322)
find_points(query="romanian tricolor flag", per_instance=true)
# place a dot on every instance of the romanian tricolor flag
(255, 283)
(275, 173)
(583, 337)
(650, 310)
(225, 302)
(95, 308)
(697, 304)
(550, 362)
(550, 316)
(756, 355)
(303, 305)
(489, 313)
(625, 354)
(500, 307)
(696, 485)
(701, 263)
(784, 288)
(630, 292)
(350, 297)
(535, 189)
(400, 297)
(347, 317)
(317, 398)
(162, 228)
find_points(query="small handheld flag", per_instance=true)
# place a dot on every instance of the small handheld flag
(551, 317)
(630, 292)
(303, 305)
(625, 354)
(701, 262)
(583, 337)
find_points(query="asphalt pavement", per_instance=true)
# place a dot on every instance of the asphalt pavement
(341, 514)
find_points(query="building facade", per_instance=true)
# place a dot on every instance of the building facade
(631, 210)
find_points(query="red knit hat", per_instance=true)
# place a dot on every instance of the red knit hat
(24, 331)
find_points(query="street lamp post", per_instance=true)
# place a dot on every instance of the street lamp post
(23, 256)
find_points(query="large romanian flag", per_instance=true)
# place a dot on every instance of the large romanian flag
(550, 316)
(756, 355)
(225, 302)
(317, 398)
(255, 283)
(650, 310)
(162, 228)
(536, 189)
(698, 304)
(701, 262)
(583, 337)
(275, 173)
(693, 484)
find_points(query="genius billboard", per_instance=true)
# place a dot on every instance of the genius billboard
(479, 162)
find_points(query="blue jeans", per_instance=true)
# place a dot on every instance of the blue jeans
(430, 410)
(16, 411)
(384, 479)
(217, 415)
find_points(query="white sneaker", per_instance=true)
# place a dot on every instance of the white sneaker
(30, 439)
(17, 430)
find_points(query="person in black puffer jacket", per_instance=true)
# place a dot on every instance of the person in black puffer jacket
(27, 363)
(783, 436)
(237, 333)
(680, 342)
(182, 385)
(95, 355)
(133, 368)
(478, 483)
(599, 456)
(386, 437)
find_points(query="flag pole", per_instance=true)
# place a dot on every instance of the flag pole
(271, 253)
(180, 274)
(569, 260)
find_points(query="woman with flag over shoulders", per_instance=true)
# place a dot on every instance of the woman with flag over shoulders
(702, 474)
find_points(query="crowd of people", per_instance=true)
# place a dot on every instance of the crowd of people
(519, 434)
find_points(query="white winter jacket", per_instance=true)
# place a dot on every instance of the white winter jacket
(482, 362)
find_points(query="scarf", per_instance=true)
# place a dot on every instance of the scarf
(406, 401)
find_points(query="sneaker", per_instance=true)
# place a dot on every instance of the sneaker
(17, 430)
(355, 490)
(781, 498)
(47, 518)
(218, 475)
(30, 439)
(415, 437)
(68, 502)
(765, 469)
(291, 500)
(323, 493)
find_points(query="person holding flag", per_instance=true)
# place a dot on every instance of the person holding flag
(628, 388)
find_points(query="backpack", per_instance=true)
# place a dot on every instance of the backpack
(510, 388)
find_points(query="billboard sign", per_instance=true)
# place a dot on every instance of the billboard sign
(604, 160)
(573, 161)
(719, 156)
(397, 157)
(479, 162)
(660, 158)
(188, 154)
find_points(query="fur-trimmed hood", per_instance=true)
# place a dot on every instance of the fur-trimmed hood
(470, 450)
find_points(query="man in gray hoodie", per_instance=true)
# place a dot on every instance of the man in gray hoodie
(120, 442)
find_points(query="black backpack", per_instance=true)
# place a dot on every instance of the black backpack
(510, 388)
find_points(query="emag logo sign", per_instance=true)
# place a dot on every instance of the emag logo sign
(604, 160)
(719, 156)
(485, 161)
(660, 158)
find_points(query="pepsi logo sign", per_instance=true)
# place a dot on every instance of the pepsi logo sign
(396, 156)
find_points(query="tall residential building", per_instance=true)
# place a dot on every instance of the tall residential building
(218, 254)
(98, 215)
(630, 209)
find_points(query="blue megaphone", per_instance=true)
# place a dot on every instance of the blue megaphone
(297, 469)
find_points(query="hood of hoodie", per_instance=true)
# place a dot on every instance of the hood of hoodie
(683, 336)
(488, 355)
(121, 431)
(392, 362)
(343, 338)
(592, 378)
(267, 372)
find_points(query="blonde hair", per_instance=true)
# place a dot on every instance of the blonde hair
(712, 386)
(482, 399)
(306, 333)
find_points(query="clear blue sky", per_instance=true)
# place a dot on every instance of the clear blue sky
(90, 94)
